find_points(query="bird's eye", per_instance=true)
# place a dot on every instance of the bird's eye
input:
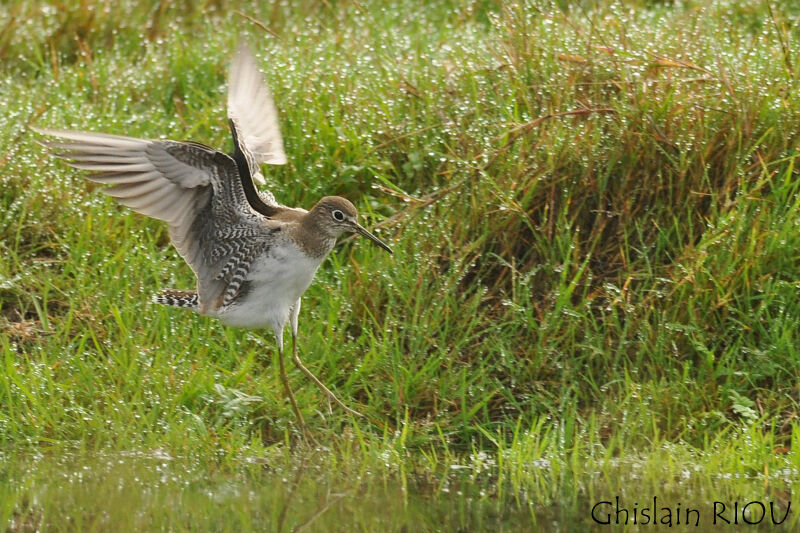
(337, 215)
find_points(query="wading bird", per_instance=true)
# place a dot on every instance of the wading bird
(253, 257)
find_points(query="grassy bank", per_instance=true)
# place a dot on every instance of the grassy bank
(594, 211)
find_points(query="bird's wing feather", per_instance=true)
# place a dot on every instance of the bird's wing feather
(262, 202)
(253, 114)
(194, 188)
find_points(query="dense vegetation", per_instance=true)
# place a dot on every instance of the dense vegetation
(594, 209)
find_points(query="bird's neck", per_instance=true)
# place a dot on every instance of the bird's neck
(313, 240)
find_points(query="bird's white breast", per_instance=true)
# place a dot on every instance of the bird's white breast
(275, 282)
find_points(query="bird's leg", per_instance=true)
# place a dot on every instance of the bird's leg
(322, 387)
(285, 378)
(296, 358)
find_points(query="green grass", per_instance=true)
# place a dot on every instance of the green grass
(595, 215)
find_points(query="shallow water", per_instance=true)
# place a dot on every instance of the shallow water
(152, 491)
(131, 491)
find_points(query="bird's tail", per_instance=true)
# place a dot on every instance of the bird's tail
(176, 298)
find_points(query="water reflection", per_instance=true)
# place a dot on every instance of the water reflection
(312, 491)
(147, 492)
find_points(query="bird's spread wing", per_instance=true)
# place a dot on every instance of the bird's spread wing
(253, 121)
(253, 115)
(195, 189)
(263, 202)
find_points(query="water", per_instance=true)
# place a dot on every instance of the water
(155, 492)
(135, 491)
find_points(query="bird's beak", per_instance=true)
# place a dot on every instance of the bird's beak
(361, 230)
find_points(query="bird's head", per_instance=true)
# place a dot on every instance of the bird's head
(335, 215)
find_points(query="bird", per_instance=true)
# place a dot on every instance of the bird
(253, 257)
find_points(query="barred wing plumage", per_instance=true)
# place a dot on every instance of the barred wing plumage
(195, 189)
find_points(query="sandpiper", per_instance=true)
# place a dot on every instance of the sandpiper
(253, 257)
